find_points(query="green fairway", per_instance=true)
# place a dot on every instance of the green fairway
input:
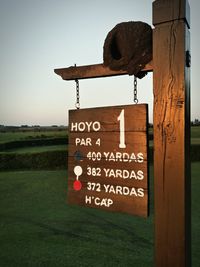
(195, 131)
(38, 228)
(31, 134)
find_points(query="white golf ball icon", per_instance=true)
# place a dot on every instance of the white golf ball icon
(78, 171)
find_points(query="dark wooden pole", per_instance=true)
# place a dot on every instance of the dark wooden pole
(172, 179)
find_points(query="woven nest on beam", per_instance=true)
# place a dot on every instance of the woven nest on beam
(128, 46)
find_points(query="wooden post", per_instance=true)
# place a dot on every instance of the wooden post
(172, 133)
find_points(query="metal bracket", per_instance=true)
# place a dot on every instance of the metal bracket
(188, 59)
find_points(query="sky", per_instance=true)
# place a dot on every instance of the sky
(42, 35)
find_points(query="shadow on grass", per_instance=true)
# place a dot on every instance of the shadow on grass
(111, 231)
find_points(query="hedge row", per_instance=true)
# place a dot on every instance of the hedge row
(33, 161)
(55, 159)
(34, 142)
(195, 152)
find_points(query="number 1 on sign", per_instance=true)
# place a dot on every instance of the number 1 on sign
(122, 130)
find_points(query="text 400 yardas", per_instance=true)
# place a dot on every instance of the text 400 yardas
(116, 156)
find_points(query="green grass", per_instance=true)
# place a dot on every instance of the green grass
(196, 213)
(38, 228)
(195, 131)
(195, 135)
(195, 141)
(16, 136)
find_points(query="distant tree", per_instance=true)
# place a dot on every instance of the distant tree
(196, 122)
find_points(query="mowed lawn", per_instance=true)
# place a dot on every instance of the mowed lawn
(38, 228)
(31, 134)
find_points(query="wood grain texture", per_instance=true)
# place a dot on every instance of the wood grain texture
(93, 71)
(135, 142)
(135, 115)
(121, 203)
(110, 179)
(119, 168)
(173, 10)
(171, 139)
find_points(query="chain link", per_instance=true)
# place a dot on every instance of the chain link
(135, 90)
(77, 105)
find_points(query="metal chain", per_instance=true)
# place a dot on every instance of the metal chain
(77, 105)
(135, 90)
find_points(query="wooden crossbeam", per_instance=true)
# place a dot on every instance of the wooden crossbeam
(93, 71)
